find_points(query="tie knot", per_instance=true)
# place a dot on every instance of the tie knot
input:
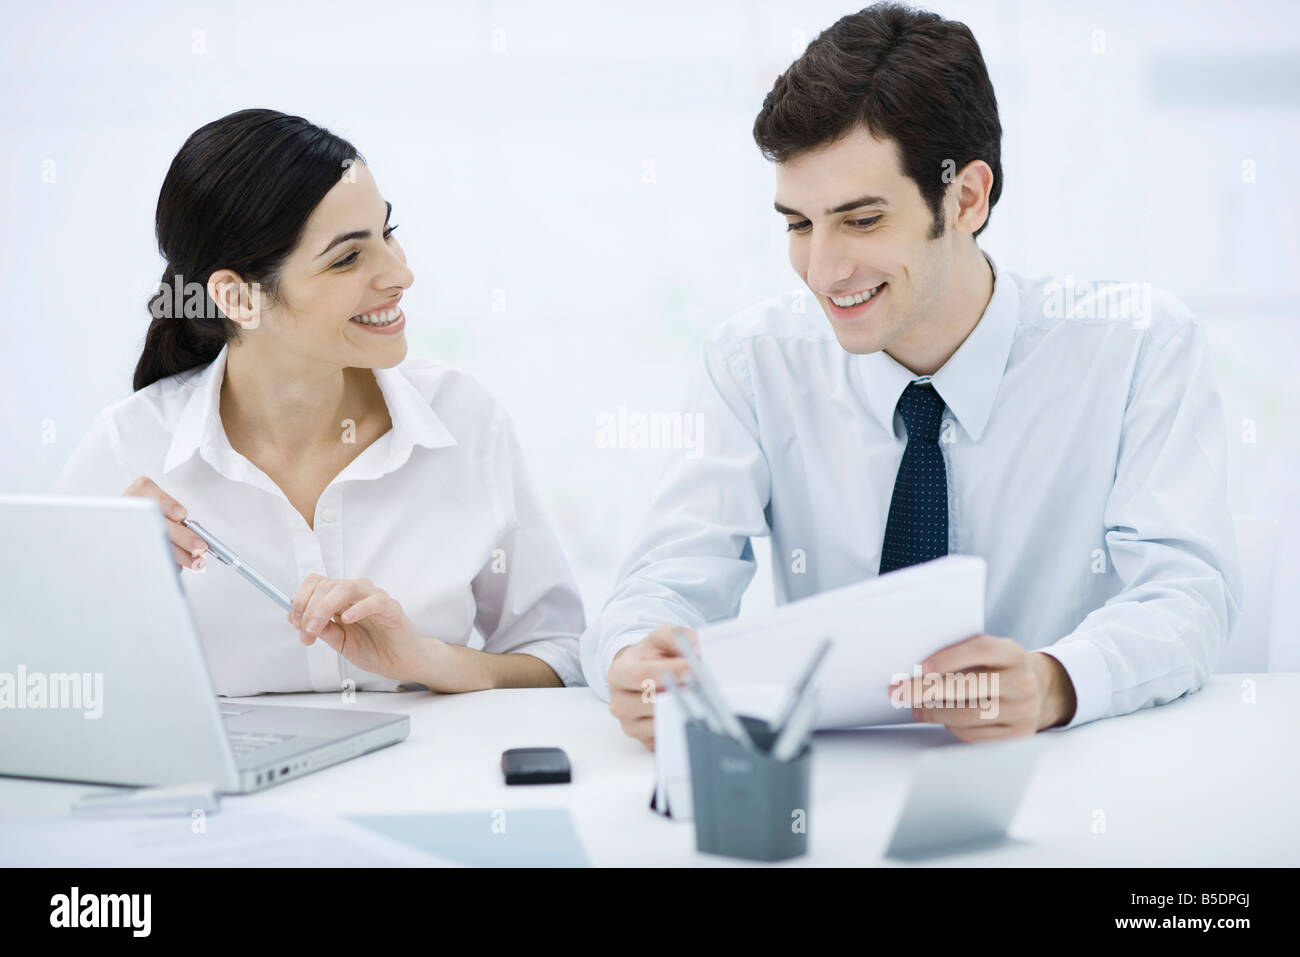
(922, 410)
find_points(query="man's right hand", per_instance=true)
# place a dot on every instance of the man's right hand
(187, 548)
(634, 679)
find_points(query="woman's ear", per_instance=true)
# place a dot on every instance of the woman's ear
(240, 301)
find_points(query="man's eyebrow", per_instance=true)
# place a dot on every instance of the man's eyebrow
(355, 234)
(859, 202)
(842, 208)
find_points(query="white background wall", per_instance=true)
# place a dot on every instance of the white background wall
(589, 167)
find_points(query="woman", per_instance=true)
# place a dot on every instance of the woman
(275, 404)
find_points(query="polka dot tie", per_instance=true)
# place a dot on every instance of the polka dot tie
(917, 530)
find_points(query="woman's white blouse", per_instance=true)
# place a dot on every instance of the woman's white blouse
(439, 512)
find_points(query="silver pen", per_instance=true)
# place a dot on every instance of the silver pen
(711, 695)
(801, 686)
(694, 712)
(223, 554)
(797, 730)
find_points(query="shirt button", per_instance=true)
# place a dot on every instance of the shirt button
(327, 515)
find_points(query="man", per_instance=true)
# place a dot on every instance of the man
(1069, 434)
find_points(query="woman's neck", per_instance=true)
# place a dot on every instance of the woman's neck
(288, 407)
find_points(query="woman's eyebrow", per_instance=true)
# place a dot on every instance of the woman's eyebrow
(355, 234)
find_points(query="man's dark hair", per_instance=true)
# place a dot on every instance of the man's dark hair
(906, 75)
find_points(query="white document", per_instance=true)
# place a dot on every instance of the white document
(881, 628)
(243, 833)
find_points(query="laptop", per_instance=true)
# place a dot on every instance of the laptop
(102, 674)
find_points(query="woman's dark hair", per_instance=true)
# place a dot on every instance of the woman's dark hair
(237, 196)
(906, 75)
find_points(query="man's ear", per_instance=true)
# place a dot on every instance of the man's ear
(967, 197)
(240, 301)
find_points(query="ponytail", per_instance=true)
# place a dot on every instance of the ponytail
(177, 342)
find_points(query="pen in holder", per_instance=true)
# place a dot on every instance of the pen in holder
(747, 803)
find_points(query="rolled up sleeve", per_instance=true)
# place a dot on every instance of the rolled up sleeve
(527, 599)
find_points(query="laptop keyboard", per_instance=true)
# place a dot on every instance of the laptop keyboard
(246, 743)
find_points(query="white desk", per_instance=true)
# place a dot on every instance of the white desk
(1206, 780)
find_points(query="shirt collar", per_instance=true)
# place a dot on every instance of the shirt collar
(968, 382)
(414, 421)
(199, 427)
(194, 429)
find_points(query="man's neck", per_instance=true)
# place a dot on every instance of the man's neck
(957, 312)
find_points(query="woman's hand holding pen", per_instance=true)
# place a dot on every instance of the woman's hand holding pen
(366, 625)
(361, 622)
(187, 548)
(354, 617)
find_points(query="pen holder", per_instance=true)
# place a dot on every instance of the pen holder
(747, 805)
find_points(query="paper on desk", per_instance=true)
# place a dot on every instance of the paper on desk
(882, 627)
(517, 837)
(243, 833)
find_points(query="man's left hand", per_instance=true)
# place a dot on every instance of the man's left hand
(988, 687)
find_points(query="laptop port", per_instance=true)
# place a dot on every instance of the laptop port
(284, 770)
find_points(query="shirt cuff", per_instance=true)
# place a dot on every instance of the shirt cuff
(1090, 675)
(602, 657)
(562, 656)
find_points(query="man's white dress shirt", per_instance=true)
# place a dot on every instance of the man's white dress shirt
(1085, 449)
(439, 512)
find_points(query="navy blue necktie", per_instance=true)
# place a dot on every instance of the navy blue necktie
(917, 529)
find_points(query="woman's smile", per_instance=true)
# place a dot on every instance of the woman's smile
(385, 320)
